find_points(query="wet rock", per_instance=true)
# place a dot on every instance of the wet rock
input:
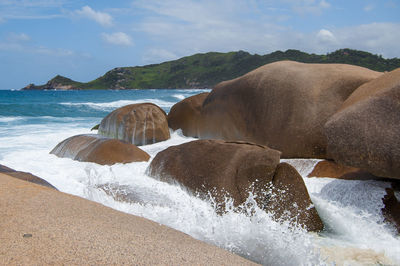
(125, 193)
(25, 176)
(365, 132)
(93, 148)
(139, 124)
(391, 211)
(121, 193)
(220, 168)
(292, 199)
(334, 170)
(186, 115)
(283, 105)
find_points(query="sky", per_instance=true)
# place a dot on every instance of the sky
(83, 40)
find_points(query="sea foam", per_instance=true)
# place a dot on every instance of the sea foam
(116, 104)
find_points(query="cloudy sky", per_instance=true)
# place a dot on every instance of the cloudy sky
(84, 39)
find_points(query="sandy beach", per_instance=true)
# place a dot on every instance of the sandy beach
(39, 225)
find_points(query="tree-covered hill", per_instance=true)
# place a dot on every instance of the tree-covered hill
(206, 70)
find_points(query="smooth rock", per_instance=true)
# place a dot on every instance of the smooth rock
(365, 132)
(293, 202)
(186, 115)
(139, 124)
(220, 168)
(333, 170)
(96, 149)
(283, 105)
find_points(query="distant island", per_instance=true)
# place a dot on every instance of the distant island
(206, 70)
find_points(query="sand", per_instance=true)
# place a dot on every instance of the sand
(39, 225)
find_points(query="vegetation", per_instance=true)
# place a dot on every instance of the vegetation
(58, 82)
(206, 70)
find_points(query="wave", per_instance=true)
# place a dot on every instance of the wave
(7, 119)
(179, 96)
(120, 103)
(194, 90)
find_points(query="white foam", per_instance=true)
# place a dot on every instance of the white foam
(179, 96)
(120, 103)
(193, 91)
(7, 119)
(349, 209)
(303, 166)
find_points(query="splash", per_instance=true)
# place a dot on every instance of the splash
(249, 232)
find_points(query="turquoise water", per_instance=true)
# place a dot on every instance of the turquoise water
(34, 105)
(33, 122)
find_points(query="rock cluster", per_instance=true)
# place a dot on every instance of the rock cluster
(332, 111)
(118, 134)
(343, 113)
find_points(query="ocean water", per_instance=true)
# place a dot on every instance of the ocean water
(33, 122)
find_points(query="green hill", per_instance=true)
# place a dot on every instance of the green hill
(57, 83)
(206, 70)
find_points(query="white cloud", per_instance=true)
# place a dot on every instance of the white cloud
(189, 27)
(184, 28)
(326, 36)
(102, 18)
(18, 37)
(379, 38)
(118, 38)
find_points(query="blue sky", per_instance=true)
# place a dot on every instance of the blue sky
(84, 39)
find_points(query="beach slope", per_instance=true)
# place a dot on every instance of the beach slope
(39, 225)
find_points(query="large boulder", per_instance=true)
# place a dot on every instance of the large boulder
(283, 105)
(220, 168)
(96, 149)
(186, 115)
(139, 124)
(365, 132)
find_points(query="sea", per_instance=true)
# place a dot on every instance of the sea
(32, 123)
